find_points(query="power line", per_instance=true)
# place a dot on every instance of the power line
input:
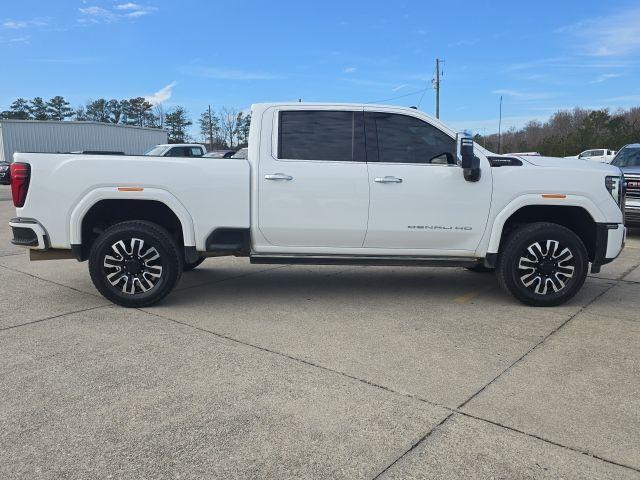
(401, 96)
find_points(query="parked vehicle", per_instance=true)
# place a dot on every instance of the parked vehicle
(628, 160)
(242, 153)
(596, 155)
(323, 184)
(220, 153)
(5, 173)
(177, 150)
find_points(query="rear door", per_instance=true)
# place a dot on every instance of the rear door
(313, 188)
(419, 197)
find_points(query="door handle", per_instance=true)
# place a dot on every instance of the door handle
(278, 176)
(388, 180)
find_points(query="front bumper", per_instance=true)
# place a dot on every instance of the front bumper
(27, 232)
(610, 238)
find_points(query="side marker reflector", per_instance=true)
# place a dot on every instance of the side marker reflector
(130, 189)
(553, 195)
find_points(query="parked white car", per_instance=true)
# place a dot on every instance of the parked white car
(603, 155)
(177, 150)
(344, 184)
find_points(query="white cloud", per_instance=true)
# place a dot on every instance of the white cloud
(128, 6)
(21, 24)
(14, 24)
(604, 77)
(349, 70)
(615, 35)
(15, 40)
(161, 95)
(121, 11)
(227, 74)
(524, 96)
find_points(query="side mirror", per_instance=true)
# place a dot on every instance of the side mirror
(468, 161)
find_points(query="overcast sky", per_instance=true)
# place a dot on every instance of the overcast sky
(540, 56)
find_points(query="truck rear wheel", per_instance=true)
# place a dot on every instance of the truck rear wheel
(135, 263)
(543, 264)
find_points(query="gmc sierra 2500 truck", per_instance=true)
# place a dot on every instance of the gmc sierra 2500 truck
(324, 184)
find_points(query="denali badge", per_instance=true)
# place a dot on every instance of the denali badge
(437, 227)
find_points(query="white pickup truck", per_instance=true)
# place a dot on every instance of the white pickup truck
(324, 184)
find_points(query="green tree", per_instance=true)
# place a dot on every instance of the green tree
(139, 111)
(38, 109)
(98, 111)
(80, 115)
(19, 110)
(116, 110)
(58, 108)
(244, 122)
(176, 121)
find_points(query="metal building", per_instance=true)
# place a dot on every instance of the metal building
(36, 136)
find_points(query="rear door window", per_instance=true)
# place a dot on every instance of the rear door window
(336, 136)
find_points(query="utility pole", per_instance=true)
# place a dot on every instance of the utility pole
(210, 130)
(436, 85)
(500, 127)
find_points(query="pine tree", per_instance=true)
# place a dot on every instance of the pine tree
(38, 109)
(58, 108)
(177, 122)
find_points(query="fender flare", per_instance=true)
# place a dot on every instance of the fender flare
(536, 199)
(112, 193)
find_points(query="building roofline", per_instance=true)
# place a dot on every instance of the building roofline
(75, 122)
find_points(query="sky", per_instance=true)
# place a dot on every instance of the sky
(539, 56)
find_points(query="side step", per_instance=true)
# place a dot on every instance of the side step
(364, 260)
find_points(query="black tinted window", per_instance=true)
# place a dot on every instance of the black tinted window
(320, 135)
(404, 139)
(178, 152)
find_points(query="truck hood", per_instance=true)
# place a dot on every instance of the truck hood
(631, 170)
(570, 164)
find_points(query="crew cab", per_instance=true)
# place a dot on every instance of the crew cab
(177, 150)
(345, 184)
(596, 155)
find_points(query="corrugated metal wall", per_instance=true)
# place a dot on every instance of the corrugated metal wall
(52, 137)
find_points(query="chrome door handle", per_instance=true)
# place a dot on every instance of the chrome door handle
(278, 176)
(388, 180)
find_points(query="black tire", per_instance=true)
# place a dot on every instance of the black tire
(187, 267)
(479, 268)
(129, 273)
(540, 273)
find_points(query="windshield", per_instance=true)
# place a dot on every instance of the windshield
(155, 151)
(627, 157)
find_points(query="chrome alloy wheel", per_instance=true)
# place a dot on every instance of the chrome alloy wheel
(546, 267)
(134, 269)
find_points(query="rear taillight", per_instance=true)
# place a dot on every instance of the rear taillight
(20, 175)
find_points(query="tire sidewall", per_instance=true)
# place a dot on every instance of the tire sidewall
(518, 245)
(152, 235)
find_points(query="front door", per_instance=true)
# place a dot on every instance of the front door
(312, 182)
(419, 197)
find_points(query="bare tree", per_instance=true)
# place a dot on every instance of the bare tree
(229, 124)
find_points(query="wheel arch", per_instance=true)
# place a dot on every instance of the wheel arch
(105, 206)
(578, 214)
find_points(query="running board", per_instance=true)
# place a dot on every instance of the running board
(391, 261)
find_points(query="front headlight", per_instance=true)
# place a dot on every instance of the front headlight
(4, 168)
(615, 186)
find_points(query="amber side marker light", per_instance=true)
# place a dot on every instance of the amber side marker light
(130, 189)
(553, 195)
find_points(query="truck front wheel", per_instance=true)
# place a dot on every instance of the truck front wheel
(135, 263)
(543, 264)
